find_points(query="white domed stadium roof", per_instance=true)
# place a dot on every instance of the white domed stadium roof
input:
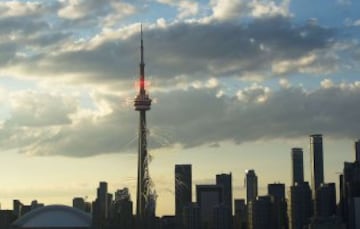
(54, 216)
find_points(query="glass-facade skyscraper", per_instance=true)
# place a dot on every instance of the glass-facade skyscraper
(183, 189)
(225, 180)
(251, 183)
(317, 162)
(297, 165)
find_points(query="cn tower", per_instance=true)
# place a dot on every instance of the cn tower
(142, 104)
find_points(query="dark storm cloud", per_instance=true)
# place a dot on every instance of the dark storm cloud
(40, 109)
(196, 117)
(286, 113)
(21, 25)
(232, 49)
(192, 49)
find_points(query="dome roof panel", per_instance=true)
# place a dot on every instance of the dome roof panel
(54, 216)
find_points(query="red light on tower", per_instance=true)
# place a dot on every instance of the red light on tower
(142, 83)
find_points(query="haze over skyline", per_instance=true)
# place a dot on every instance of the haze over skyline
(235, 84)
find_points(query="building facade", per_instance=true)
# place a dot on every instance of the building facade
(183, 190)
(208, 197)
(297, 165)
(316, 162)
(225, 180)
(251, 183)
(300, 208)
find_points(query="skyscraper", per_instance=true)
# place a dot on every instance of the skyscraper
(300, 205)
(326, 200)
(279, 208)
(350, 194)
(297, 165)
(123, 208)
(259, 213)
(208, 197)
(191, 216)
(240, 217)
(100, 206)
(221, 219)
(183, 190)
(357, 150)
(225, 180)
(277, 190)
(142, 104)
(317, 162)
(251, 183)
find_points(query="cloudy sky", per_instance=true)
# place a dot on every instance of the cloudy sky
(235, 85)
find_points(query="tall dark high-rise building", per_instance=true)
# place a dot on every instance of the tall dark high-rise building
(183, 190)
(350, 194)
(225, 180)
(299, 205)
(221, 219)
(142, 104)
(297, 163)
(326, 200)
(279, 218)
(123, 208)
(251, 183)
(208, 197)
(357, 150)
(259, 213)
(317, 162)
(240, 217)
(191, 216)
(102, 196)
(277, 190)
(100, 206)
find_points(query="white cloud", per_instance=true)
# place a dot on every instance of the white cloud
(186, 8)
(356, 23)
(236, 9)
(262, 9)
(121, 10)
(320, 62)
(212, 83)
(30, 108)
(161, 22)
(285, 83)
(19, 8)
(105, 13)
(228, 9)
(73, 9)
(327, 83)
(285, 66)
(255, 93)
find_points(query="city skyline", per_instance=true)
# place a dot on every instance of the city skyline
(211, 179)
(235, 86)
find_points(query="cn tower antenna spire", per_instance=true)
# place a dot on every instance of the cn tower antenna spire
(142, 45)
(142, 63)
